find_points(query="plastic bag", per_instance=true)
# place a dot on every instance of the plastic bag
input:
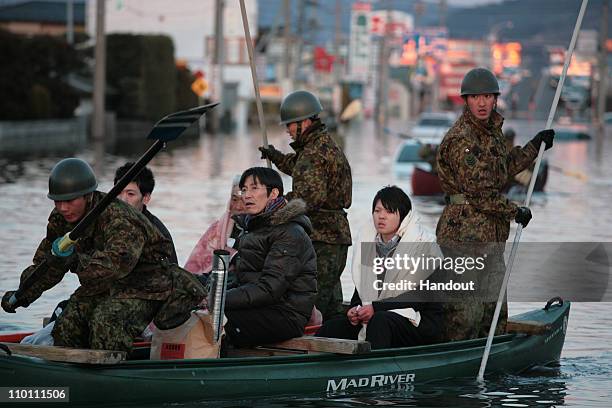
(192, 339)
(42, 337)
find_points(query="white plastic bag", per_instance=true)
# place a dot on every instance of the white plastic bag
(192, 339)
(42, 337)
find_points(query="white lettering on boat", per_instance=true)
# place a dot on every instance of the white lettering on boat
(553, 334)
(378, 380)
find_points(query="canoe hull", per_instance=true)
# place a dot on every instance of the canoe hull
(154, 382)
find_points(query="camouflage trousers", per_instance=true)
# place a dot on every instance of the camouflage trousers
(471, 316)
(103, 323)
(331, 259)
(472, 319)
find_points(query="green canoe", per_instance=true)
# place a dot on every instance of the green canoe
(142, 382)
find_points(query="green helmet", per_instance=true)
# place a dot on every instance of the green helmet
(299, 105)
(71, 178)
(479, 81)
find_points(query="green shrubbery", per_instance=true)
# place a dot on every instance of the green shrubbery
(141, 73)
(142, 70)
(33, 76)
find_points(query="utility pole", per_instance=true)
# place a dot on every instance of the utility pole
(287, 35)
(99, 90)
(380, 108)
(218, 61)
(300, 38)
(70, 21)
(603, 85)
(337, 39)
(442, 9)
(415, 108)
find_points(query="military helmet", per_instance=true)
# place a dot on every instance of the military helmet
(299, 105)
(479, 81)
(71, 178)
(510, 134)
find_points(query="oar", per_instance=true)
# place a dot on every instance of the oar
(249, 44)
(519, 230)
(577, 174)
(166, 130)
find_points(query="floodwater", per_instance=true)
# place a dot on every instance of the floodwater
(193, 182)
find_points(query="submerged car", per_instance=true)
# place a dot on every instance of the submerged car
(407, 157)
(433, 125)
(571, 133)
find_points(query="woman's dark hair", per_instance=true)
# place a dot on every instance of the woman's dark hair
(263, 175)
(393, 199)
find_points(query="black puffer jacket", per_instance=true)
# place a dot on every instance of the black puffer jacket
(277, 263)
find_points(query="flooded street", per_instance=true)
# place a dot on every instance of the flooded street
(192, 187)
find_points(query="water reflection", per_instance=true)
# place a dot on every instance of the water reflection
(193, 176)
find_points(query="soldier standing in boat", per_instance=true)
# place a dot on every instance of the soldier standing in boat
(474, 165)
(322, 178)
(122, 263)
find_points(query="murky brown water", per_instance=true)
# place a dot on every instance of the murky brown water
(192, 188)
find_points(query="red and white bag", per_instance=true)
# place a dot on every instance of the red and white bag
(192, 339)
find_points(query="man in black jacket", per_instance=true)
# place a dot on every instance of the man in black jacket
(276, 266)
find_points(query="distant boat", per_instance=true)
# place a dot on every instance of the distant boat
(425, 183)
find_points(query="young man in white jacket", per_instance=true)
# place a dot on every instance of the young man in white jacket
(384, 269)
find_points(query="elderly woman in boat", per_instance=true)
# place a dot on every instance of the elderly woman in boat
(276, 267)
(221, 234)
(380, 313)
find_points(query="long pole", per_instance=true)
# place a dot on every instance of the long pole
(249, 43)
(519, 230)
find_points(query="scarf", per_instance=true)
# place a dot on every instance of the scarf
(271, 207)
(384, 249)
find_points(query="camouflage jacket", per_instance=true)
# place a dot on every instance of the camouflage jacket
(322, 178)
(119, 254)
(473, 160)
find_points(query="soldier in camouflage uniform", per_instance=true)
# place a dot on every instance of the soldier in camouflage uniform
(474, 165)
(322, 178)
(121, 263)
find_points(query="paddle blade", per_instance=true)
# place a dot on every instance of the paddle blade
(171, 126)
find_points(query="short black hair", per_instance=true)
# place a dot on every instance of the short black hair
(263, 175)
(144, 179)
(393, 199)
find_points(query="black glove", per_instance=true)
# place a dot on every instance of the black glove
(269, 152)
(8, 308)
(523, 216)
(547, 136)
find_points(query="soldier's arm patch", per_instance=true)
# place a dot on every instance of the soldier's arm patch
(469, 158)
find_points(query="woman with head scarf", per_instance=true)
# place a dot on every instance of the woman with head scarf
(220, 235)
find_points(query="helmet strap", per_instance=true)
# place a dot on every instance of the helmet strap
(298, 131)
